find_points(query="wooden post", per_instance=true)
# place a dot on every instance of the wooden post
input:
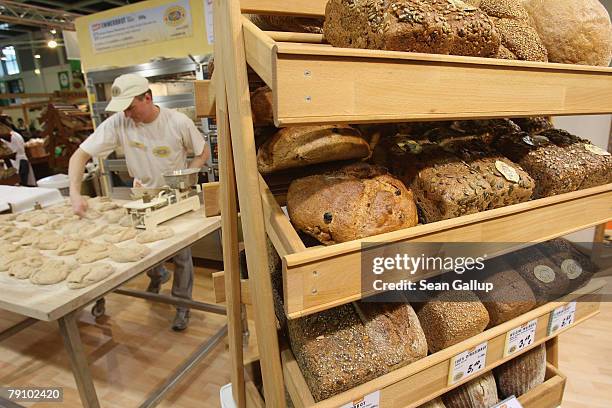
(552, 351)
(229, 228)
(230, 37)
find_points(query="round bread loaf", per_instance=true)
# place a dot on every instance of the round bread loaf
(481, 392)
(522, 373)
(573, 31)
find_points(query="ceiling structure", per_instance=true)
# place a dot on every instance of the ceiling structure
(19, 17)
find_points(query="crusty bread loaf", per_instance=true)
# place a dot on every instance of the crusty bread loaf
(519, 39)
(481, 392)
(452, 317)
(434, 26)
(354, 202)
(534, 124)
(578, 267)
(573, 31)
(511, 295)
(261, 106)
(541, 274)
(522, 373)
(300, 146)
(337, 351)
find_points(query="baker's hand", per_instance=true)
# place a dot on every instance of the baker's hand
(137, 183)
(79, 205)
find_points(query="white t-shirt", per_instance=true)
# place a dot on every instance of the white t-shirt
(17, 145)
(150, 148)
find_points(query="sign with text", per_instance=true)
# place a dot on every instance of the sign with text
(468, 363)
(562, 317)
(519, 338)
(369, 401)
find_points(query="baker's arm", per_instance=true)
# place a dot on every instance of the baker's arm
(76, 168)
(199, 161)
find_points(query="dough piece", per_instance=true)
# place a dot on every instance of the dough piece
(5, 230)
(92, 214)
(8, 217)
(48, 240)
(6, 247)
(126, 221)
(132, 252)
(59, 210)
(86, 275)
(104, 206)
(27, 216)
(115, 236)
(114, 216)
(52, 271)
(15, 235)
(24, 268)
(69, 247)
(73, 227)
(41, 219)
(30, 237)
(6, 259)
(93, 252)
(155, 234)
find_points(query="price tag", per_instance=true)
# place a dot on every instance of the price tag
(520, 337)
(369, 401)
(511, 402)
(467, 363)
(561, 317)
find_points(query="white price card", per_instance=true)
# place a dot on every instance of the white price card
(467, 363)
(369, 401)
(561, 317)
(511, 402)
(520, 337)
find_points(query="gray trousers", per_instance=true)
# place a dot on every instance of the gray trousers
(182, 284)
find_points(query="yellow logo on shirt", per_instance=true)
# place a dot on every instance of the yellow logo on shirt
(161, 151)
(137, 145)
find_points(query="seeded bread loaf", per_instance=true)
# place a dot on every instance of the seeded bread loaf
(509, 182)
(518, 37)
(522, 373)
(337, 351)
(510, 297)
(433, 26)
(354, 202)
(301, 146)
(481, 392)
(452, 317)
(541, 274)
(578, 267)
(534, 124)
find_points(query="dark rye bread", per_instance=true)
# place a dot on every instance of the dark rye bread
(443, 185)
(578, 267)
(522, 373)
(300, 146)
(534, 124)
(541, 274)
(451, 317)
(509, 182)
(554, 169)
(519, 40)
(481, 392)
(432, 26)
(511, 295)
(261, 106)
(354, 202)
(337, 350)
(596, 162)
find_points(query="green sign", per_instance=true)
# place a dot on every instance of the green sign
(64, 79)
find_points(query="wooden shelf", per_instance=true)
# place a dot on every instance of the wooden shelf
(549, 394)
(426, 379)
(318, 83)
(310, 275)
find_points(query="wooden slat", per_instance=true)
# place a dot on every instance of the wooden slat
(253, 398)
(548, 394)
(425, 379)
(211, 199)
(229, 34)
(219, 289)
(294, 7)
(533, 221)
(260, 51)
(338, 89)
(285, 36)
(229, 224)
(296, 385)
(204, 99)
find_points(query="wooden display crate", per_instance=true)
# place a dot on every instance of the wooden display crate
(426, 379)
(310, 275)
(549, 394)
(313, 82)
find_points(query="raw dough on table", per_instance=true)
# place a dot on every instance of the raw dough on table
(115, 236)
(48, 240)
(132, 252)
(93, 252)
(29, 237)
(6, 229)
(41, 219)
(6, 247)
(8, 217)
(24, 268)
(155, 234)
(114, 216)
(92, 214)
(86, 275)
(15, 235)
(103, 207)
(27, 216)
(52, 271)
(22, 253)
(126, 221)
(69, 247)
(60, 209)
(75, 226)
(89, 231)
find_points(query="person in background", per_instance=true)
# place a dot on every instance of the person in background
(22, 129)
(154, 140)
(16, 143)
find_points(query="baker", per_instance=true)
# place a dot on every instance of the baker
(154, 140)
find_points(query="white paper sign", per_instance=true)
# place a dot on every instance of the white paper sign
(511, 402)
(168, 22)
(468, 363)
(562, 317)
(369, 401)
(520, 337)
(208, 15)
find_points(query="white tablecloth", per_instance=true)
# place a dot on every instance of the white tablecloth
(24, 198)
